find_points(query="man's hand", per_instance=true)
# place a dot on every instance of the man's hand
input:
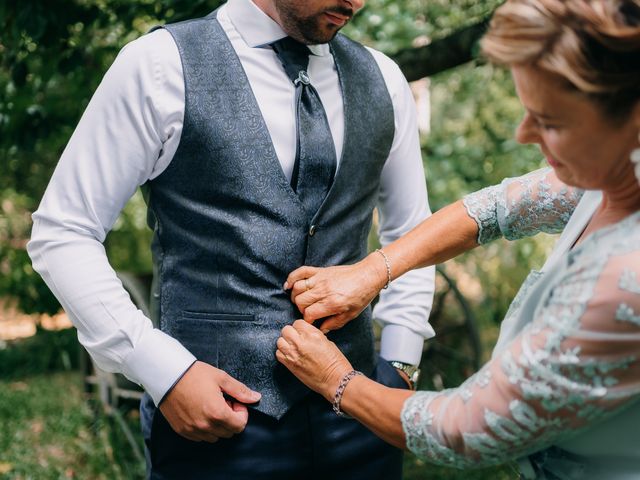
(196, 408)
(336, 295)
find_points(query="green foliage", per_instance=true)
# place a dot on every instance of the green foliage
(17, 278)
(52, 59)
(474, 114)
(46, 351)
(391, 25)
(416, 469)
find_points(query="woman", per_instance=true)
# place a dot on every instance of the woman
(562, 391)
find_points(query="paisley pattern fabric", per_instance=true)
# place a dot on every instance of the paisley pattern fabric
(228, 227)
(575, 364)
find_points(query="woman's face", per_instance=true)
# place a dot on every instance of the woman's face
(586, 148)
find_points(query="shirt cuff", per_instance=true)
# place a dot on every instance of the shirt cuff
(401, 344)
(157, 362)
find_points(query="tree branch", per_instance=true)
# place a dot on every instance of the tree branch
(456, 49)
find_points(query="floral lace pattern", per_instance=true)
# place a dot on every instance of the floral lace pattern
(523, 206)
(575, 363)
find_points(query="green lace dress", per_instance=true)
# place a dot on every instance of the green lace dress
(562, 391)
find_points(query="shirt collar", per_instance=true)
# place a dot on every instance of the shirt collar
(257, 29)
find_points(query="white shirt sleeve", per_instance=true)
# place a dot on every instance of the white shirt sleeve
(127, 135)
(403, 309)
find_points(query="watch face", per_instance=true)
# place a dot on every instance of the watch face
(411, 371)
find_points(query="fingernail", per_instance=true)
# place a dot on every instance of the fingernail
(286, 285)
(325, 330)
(256, 395)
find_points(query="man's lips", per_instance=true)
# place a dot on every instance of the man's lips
(337, 18)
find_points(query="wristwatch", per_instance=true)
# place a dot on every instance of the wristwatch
(411, 371)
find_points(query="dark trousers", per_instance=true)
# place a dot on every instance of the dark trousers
(309, 442)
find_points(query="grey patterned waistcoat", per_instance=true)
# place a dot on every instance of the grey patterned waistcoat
(228, 228)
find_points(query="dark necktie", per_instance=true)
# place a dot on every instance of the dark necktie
(315, 162)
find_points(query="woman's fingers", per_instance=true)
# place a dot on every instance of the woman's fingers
(300, 287)
(299, 274)
(317, 311)
(290, 333)
(282, 358)
(302, 328)
(334, 322)
(311, 357)
(333, 294)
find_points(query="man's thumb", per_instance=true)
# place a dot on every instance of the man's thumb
(238, 390)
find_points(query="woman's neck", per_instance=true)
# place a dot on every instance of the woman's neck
(616, 205)
(620, 202)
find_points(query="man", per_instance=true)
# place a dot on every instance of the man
(222, 132)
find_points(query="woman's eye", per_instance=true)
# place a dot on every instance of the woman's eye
(545, 125)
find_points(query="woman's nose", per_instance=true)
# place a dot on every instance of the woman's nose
(527, 131)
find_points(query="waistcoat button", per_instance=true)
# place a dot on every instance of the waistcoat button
(312, 230)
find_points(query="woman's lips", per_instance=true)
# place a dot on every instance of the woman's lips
(552, 162)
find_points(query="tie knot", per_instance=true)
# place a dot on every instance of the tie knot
(294, 57)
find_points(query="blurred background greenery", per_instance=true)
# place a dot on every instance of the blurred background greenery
(52, 57)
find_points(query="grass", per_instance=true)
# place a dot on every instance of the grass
(416, 469)
(48, 431)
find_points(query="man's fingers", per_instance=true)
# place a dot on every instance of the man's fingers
(299, 274)
(237, 390)
(233, 423)
(230, 420)
(240, 408)
(201, 433)
(241, 412)
(205, 437)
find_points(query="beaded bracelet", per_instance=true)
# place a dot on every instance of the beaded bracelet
(337, 398)
(386, 264)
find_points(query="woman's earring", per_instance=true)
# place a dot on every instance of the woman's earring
(635, 159)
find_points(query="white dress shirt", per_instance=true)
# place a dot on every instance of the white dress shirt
(129, 134)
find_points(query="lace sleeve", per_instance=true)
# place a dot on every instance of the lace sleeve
(523, 206)
(574, 365)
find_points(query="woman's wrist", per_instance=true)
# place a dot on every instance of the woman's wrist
(333, 383)
(379, 269)
(337, 397)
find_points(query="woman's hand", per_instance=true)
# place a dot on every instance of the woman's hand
(312, 357)
(336, 294)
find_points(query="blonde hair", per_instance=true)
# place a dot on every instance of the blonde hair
(593, 44)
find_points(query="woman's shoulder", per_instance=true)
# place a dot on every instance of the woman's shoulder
(616, 283)
(602, 278)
